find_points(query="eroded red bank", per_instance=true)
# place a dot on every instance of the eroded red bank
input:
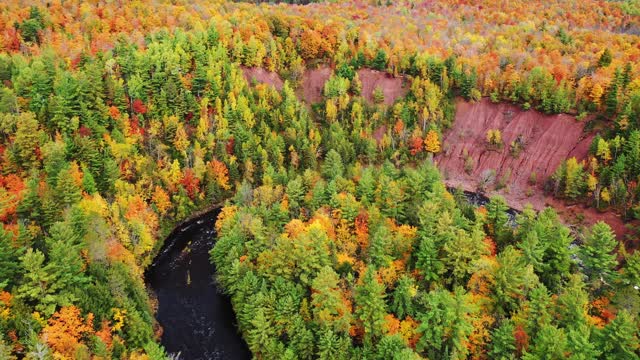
(546, 141)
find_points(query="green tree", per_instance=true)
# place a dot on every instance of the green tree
(498, 221)
(379, 62)
(403, 297)
(550, 343)
(619, 339)
(446, 324)
(36, 285)
(333, 166)
(329, 307)
(9, 256)
(332, 346)
(503, 343)
(370, 305)
(597, 255)
(605, 58)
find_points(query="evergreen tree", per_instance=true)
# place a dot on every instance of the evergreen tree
(597, 255)
(333, 166)
(503, 343)
(380, 60)
(9, 256)
(605, 59)
(370, 305)
(619, 339)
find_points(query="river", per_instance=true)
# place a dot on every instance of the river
(198, 321)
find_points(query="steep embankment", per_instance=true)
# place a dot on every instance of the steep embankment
(546, 141)
(466, 160)
(313, 80)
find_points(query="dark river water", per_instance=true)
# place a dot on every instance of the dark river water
(198, 321)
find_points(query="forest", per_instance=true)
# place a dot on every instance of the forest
(337, 238)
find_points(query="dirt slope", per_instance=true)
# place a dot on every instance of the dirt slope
(547, 139)
(263, 76)
(313, 80)
(392, 87)
(312, 84)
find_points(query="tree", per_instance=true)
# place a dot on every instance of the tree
(503, 343)
(333, 166)
(619, 339)
(66, 329)
(575, 182)
(511, 280)
(332, 346)
(328, 304)
(605, 58)
(550, 343)
(68, 190)
(596, 94)
(432, 142)
(370, 305)
(446, 324)
(403, 297)
(65, 262)
(36, 286)
(497, 220)
(379, 62)
(597, 255)
(9, 256)
(30, 28)
(27, 139)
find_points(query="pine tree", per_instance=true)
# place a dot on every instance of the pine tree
(67, 191)
(605, 59)
(35, 286)
(550, 343)
(597, 255)
(446, 324)
(332, 346)
(503, 343)
(497, 220)
(88, 182)
(403, 297)
(619, 339)
(380, 60)
(333, 166)
(370, 305)
(611, 100)
(9, 264)
(329, 307)
(575, 179)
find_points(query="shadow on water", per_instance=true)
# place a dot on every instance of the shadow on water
(198, 320)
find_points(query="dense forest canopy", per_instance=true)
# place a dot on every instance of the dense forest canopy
(338, 238)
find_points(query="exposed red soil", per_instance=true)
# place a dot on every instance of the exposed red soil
(313, 80)
(548, 140)
(263, 76)
(312, 84)
(392, 87)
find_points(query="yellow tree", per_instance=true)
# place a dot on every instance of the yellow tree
(432, 142)
(596, 94)
(66, 329)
